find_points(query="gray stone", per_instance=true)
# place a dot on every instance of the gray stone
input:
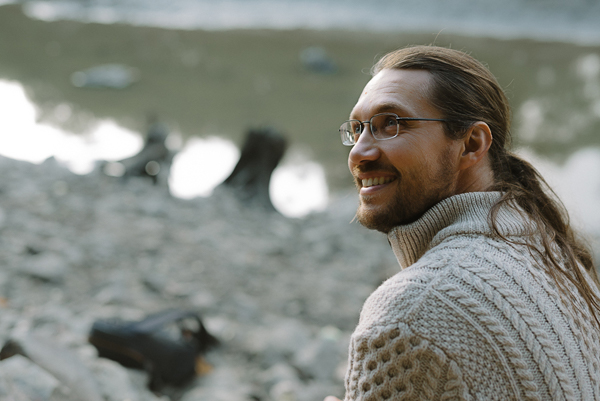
(316, 390)
(263, 283)
(317, 60)
(281, 372)
(62, 363)
(2, 218)
(21, 379)
(277, 340)
(215, 394)
(114, 76)
(320, 359)
(227, 382)
(47, 266)
(116, 384)
(286, 390)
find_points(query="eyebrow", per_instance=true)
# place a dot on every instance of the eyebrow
(396, 108)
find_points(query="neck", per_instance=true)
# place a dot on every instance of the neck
(465, 213)
(477, 178)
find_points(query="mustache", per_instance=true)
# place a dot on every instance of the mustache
(374, 166)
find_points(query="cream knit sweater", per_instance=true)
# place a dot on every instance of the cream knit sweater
(470, 317)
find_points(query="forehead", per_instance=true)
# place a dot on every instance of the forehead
(404, 92)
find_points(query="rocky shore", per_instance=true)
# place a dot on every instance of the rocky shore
(282, 295)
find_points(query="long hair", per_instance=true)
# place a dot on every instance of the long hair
(465, 91)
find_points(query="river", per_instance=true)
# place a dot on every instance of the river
(211, 70)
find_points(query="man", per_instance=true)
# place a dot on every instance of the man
(497, 299)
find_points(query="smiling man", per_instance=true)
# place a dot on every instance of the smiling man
(497, 299)
(399, 180)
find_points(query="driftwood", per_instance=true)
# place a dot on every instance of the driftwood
(154, 160)
(262, 151)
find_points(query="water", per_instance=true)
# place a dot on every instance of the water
(575, 20)
(210, 82)
(290, 183)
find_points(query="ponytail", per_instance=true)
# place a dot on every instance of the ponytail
(525, 189)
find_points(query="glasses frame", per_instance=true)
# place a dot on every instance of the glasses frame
(362, 126)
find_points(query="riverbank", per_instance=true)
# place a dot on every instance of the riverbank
(283, 295)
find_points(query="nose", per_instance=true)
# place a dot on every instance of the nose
(366, 148)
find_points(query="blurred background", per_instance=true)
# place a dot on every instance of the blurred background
(210, 70)
(86, 81)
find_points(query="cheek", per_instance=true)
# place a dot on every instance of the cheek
(409, 157)
(420, 162)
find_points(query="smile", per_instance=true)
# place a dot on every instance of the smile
(371, 182)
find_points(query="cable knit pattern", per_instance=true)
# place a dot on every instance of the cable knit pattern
(471, 317)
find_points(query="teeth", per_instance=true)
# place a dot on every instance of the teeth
(375, 181)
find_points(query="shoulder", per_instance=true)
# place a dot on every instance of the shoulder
(444, 313)
(397, 363)
(439, 271)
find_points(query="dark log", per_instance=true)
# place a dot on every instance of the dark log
(262, 151)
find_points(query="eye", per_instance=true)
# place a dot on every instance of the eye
(384, 126)
(390, 121)
(355, 126)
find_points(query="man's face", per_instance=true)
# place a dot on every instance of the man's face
(399, 179)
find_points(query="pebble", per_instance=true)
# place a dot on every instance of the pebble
(21, 379)
(283, 295)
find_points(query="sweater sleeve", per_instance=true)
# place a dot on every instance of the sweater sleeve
(393, 363)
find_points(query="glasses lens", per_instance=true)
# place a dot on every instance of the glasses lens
(348, 132)
(384, 126)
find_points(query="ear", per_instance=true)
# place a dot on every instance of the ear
(476, 144)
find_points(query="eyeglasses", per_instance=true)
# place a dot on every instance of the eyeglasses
(383, 126)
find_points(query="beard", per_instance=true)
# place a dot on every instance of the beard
(414, 195)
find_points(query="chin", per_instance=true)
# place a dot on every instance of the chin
(375, 220)
(385, 218)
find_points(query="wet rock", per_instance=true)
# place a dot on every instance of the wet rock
(114, 76)
(317, 60)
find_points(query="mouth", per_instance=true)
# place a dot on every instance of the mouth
(374, 181)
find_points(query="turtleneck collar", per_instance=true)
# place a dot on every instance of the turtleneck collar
(466, 213)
